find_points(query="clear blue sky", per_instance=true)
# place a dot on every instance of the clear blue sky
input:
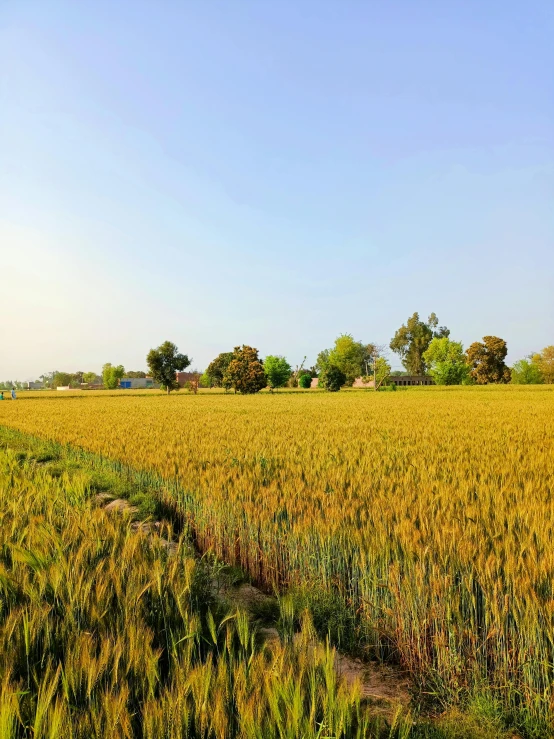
(273, 173)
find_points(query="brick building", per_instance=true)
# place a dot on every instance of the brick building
(184, 377)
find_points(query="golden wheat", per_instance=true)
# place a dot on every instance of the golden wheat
(104, 635)
(429, 513)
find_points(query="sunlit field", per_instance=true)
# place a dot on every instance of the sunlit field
(419, 521)
(104, 634)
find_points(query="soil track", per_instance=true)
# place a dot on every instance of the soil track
(387, 688)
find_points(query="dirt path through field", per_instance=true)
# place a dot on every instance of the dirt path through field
(385, 687)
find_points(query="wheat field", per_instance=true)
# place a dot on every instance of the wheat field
(425, 517)
(106, 635)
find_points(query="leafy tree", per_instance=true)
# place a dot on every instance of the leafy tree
(61, 379)
(412, 340)
(90, 378)
(205, 380)
(305, 381)
(111, 374)
(245, 372)
(163, 364)
(277, 370)
(486, 360)
(545, 362)
(446, 362)
(77, 378)
(352, 357)
(135, 374)
(322, 361)
(527, 372)
(216, 369)
(348, 355)
(332, 378)
(382, 372)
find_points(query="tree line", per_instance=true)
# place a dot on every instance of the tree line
(424, 348)
(109, 378)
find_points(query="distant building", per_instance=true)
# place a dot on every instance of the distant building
(400, 380)
(405, 380)
(360, 382)
(137, 383)
(184, 377)
(63, 387)
(35, 385)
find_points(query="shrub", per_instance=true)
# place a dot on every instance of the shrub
(305, 381)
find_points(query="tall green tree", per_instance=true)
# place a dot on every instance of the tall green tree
(245, 372)
(486, 360)
(349, 356)
(412, 340)
(545, 362)
(111, 374)
(277, 370)
(446, 362)
(163, 364)
(527, 372)
(217, 368)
